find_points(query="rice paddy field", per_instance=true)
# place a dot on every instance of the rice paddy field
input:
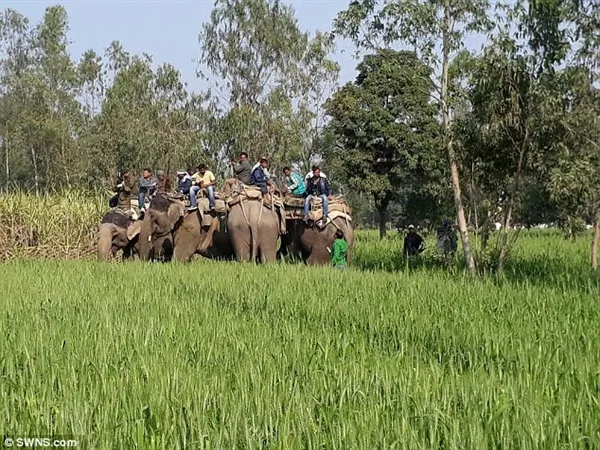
(212, 355)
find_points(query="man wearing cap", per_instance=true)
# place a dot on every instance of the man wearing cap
(124, 190)
(260, 175)
(163, 184)
(184, 186)
(413, 243)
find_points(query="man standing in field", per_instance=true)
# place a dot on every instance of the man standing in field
(413, 242)
(295, 183)
(339, 251)
(447, 240)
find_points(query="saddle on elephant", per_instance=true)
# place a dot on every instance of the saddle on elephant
(271, 201)
(203, 203)
(294, 208)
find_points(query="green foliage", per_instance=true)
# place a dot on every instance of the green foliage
(274, 79)
(341, 360)
(384, 129)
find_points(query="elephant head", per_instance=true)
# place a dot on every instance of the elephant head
(117, 232)
(156, 233)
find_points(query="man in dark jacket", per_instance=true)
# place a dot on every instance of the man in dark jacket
(413, 243)
(258, 177)
(447, 240)
(124, 190)
(147, 186)
(317, 186)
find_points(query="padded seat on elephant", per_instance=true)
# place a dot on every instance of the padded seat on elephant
(253, 193)
(203, 204)
(271, 201)
(294, 208)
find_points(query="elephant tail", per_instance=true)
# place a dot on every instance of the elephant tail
(253, 241)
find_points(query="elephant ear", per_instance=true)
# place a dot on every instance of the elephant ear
(176, 212)
(134, 229)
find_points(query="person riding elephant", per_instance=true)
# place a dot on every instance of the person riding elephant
(124, 189)
(168, 232)
(118, 232)
(254, 230)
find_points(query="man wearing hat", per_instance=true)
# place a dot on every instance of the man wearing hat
(163, 185)
(184, 186)
(413, 243)
(124, 190)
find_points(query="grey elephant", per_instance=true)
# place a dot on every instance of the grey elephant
(169, 231)
(311, 244)
(254, 229)
(118, 232)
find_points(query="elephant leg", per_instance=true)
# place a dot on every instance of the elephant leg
(127, 251)
(268, 253)
(243, 252)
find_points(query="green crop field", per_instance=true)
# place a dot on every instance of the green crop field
(231, 355)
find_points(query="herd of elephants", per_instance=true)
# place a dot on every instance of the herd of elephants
(247, 226)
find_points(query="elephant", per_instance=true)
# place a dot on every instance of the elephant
(254, 230)
(118, 232)
(311, 243)
(167, 232)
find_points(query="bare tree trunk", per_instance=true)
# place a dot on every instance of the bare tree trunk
(382, 210)
(35, 171)
(595, 240)
(448, 26)
(511, 203)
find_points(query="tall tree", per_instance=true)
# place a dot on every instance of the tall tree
(273, 77)
(426, 26)
(384, 127)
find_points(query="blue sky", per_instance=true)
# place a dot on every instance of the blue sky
(168, 29)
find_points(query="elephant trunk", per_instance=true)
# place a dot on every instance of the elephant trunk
(105, 243)
(144, 243)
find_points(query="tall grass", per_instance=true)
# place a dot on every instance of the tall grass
(50, 226)
(221, 355)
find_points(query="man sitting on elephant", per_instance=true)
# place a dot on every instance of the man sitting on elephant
(163, 184)
(242, 172)
(260, 175)
(318, 186)
(124, 190)
(147, 187)
(295, 184)
(184, 186)
(205, 179)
